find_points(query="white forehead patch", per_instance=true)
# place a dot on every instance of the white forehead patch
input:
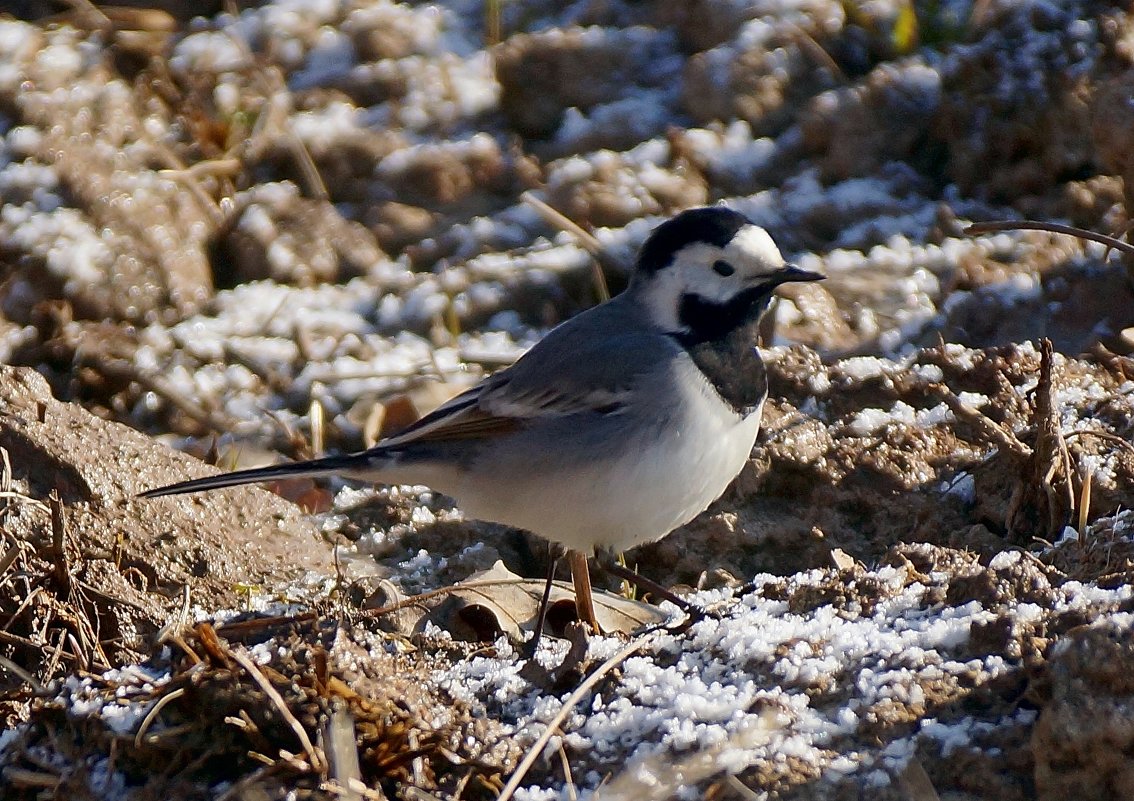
(755, 247)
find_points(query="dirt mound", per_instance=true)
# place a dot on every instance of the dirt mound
(91, 573)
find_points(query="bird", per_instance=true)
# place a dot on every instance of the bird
(621, 424)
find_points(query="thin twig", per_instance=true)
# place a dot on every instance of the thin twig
(313, 181)
(223, 167)
(120, 368)
(558, 219)
(1105, 436)
(9, 666)
(29, 598)
(58, 653)
(1051, 447)
(565, 710)
(462, 783)
(353, 790)
(810, 45)
(179, 622)
(994, 226)
(999, 436)
(190, 178)
(26, 779)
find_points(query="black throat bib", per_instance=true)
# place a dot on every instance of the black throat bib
(721, 340)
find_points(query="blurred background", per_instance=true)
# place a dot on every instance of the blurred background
(215, 215)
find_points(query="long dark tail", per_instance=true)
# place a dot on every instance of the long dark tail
(331, 465)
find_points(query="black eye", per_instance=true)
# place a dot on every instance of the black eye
(721, 267)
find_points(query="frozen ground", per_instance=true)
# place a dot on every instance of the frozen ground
(297, 226)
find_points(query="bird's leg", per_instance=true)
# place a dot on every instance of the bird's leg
(652, 587)
(554, 554)
(584, 599)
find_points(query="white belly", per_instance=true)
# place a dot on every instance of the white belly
(633, 492)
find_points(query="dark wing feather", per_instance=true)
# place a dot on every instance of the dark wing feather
(589, 364)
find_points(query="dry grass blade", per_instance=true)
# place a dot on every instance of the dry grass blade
(568, 777)
(586, 240)
(210, 168)
(57, 654)
(9, 558)
(59, 544)
(155, 710)
(1105, 436)
(312, 180)
(179, 621)
(29, 597)
(318, 428)
(556, 218)
(1044, 495)
(5, 471)
(568, 706)
(19, 496)
(811, 46)
(342, 752)
(742, 790)
(1085, 499)
(90, 14)
(115, 367)
(492, 23)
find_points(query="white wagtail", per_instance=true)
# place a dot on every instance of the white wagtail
(621, 424)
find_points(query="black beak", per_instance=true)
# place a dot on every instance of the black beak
(790, 273)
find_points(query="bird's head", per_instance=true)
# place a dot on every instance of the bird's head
(708, 271)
